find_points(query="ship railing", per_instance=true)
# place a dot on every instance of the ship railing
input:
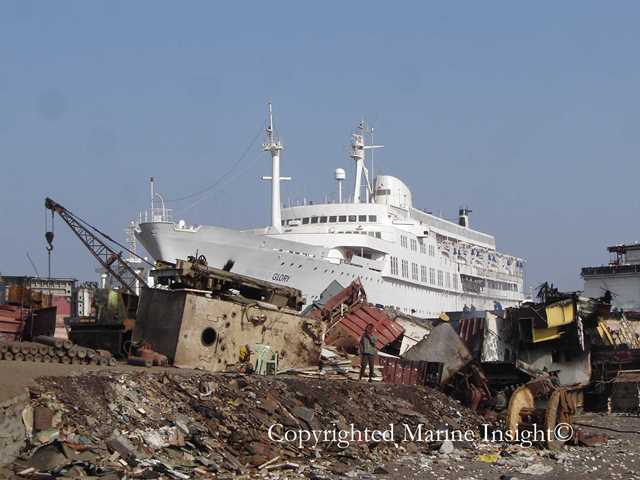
(611, 269)
(155, 215)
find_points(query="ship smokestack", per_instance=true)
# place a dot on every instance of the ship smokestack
(340, 176)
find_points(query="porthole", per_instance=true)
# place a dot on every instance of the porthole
(208, 336)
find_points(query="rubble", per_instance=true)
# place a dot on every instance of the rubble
(145, 423)
(334, 365)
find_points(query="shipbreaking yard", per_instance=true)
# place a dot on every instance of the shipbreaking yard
(211, 374)
(185, 370)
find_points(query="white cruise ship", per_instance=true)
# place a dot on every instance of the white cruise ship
(404, 257)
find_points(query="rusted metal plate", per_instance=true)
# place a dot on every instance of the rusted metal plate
(470, 328)
(349, 329)
(408, 372)
(12, 319)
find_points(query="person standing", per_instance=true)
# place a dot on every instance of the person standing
(367, 350)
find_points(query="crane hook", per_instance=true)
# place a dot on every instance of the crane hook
(49, 237)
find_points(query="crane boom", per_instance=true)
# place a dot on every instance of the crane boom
(111, 260)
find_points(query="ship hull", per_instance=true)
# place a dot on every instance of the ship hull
(301, 266)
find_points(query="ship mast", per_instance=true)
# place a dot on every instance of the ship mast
(274, 146)
(358, 148)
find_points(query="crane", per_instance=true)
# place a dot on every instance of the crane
(89, 235)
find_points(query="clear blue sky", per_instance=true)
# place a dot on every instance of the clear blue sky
(525, 111)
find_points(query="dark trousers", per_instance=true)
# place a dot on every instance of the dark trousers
(366, 358)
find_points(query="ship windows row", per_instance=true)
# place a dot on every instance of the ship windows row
(331, 219)
(497, 285)
(423, 274)
(413, 243)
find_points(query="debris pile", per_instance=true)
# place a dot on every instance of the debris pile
(157, 425)
(335, 365)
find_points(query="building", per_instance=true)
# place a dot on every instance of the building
(621, 277)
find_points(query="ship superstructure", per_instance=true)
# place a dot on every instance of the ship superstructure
(406, 258)
(621, 277)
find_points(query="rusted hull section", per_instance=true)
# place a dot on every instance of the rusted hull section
(195, 331)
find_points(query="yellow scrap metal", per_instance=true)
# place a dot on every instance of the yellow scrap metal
(560, 313)
(603, 331)
(546, 334)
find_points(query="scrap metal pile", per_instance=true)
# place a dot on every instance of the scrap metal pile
(47, 349)
(24, 312)
(157, 425)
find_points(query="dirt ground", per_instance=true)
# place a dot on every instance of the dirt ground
(16, 376)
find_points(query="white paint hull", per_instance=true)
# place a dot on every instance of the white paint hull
(268, 258)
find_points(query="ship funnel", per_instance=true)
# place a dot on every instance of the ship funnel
(340, 176)
(463, 217)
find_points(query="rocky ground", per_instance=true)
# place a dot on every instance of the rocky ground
(159, 424)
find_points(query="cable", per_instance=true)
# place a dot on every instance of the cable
(226, 174)
(204, 197)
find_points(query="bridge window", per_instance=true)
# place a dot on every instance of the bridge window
(352, 218)
(323, 219)
(405, 268)
(394, 265)
(373, 218)
(314, 219)
(305, 220)
(362, 218)
(342, 218)
(333, 219)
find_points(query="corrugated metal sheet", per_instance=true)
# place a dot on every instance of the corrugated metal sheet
(470, 328)
(349, 329)
(348, 314)
(409, 372)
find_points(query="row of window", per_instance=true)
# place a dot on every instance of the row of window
(363, 232)
(331, 219)
(443, 279)
(413, 244)
(496, 285)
